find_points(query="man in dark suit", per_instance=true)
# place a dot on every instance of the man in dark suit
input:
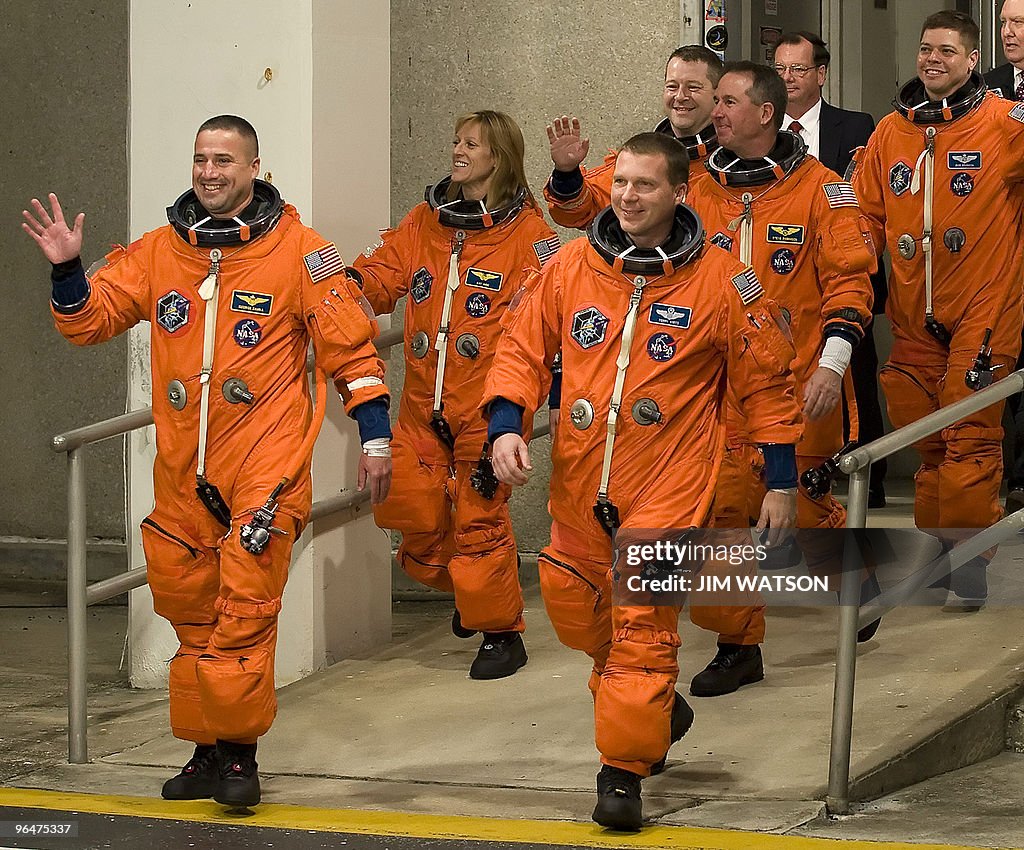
(1008, 81)
(832, 134)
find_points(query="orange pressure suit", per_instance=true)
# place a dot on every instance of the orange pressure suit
(596, 194)
(964, 160)
(697, 324)
(474, 553)
(275, 293)
(803, 233)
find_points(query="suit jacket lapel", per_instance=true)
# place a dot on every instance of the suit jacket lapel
(828, 135)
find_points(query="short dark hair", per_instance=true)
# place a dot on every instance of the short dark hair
(950, 19)
(765, 87)
(235, 124)
(820, 51)
(653, 144)
(699, 53)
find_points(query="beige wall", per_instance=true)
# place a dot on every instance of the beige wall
(65, 112)
(534, 60)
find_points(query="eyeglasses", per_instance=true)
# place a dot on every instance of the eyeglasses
(795, 70)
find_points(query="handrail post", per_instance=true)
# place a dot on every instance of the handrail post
(838, 798)
(78, 744)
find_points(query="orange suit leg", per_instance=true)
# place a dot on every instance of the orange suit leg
(738, 498)
(957, 485)
(419, 505)
(236, 673)
(184, 577)
(633, 649)
(484, 568)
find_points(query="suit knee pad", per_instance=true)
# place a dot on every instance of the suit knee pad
(236, 678)
(576, 605)
(187, 719)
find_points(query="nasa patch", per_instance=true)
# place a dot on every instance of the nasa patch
(422, 280)
(783, 261)
(670, 315)
(589, 327)
(962, 184)
(478, 305)
(963, 160)
(722, 241)
(899, 178)
(248, 333)
(661, 347)
(786, 234)
(172, 311)
(484, 279)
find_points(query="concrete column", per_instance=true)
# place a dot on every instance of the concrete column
(323, 118)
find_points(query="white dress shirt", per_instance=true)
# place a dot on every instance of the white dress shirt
(810, 124)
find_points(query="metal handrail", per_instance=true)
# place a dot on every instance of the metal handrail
(857, 464)
(81, 594)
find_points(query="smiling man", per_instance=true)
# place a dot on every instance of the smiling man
(575, 195)
(234, 288)
(650, 322)
(940, 183)
(797, 224)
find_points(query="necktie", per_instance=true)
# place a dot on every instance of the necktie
(1018, 92)
(795, 127)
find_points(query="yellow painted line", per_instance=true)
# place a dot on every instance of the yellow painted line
(397, 824)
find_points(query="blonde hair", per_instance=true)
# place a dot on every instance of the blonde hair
(505, 140)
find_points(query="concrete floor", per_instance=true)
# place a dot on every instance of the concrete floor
(405, 730)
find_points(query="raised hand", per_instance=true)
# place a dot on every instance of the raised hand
(568, 150)
(55, 239)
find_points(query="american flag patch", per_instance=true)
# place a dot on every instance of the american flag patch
(546, 249)
(748, 286)
(323, 263)
(1018, 112)
(840, 195)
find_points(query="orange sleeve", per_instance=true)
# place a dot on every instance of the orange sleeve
(341, 331)
(760, 350)
(1012, 140)
(595, 195)
(844, 258)
(386, 272)
(521, 370)
(119, 298)
(865, 173)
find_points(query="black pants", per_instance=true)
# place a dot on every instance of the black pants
(864, 369)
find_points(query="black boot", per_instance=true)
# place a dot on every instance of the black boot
(239, 785)
(682, 720)
(459, 630)
(618, 800)
(500, 655)
(968, 587)
(735, 665)
(869, 589)
(198, 778)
